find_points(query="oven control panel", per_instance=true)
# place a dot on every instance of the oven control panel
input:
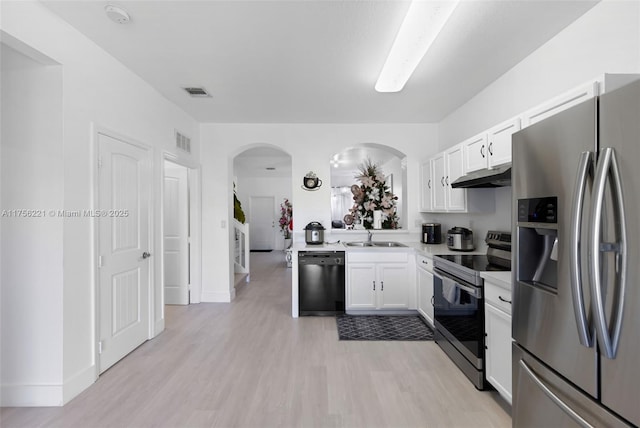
(495, 239)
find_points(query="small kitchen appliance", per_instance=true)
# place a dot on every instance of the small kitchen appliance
(460, 239)
(431, 233)
(314, 233)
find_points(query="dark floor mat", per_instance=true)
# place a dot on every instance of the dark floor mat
(380, 327)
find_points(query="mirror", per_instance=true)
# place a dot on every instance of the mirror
(345, 166)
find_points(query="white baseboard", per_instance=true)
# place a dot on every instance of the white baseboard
(158, 327)
(31, 396)
(79, 382)
(53, 395)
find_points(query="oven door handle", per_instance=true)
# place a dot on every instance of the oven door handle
(474, 291)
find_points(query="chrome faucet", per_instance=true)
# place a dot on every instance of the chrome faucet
(369, 236)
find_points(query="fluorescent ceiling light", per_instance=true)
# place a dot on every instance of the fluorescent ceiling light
(424, 21)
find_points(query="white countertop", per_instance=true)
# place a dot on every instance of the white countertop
(502, 279)
(431, 250)
(428, 250)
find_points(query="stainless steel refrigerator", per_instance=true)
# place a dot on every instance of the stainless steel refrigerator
(576, 273)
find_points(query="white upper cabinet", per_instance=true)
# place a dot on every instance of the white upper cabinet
(438, 173)
(499, 147)
(598, 86)
(446, 167)
(456, 198)
(426, 186)
(475, 153)
(490, 148)
(560, 103)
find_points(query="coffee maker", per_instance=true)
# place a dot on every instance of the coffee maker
(431, 233)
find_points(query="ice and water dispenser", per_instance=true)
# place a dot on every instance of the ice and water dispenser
(537, 229)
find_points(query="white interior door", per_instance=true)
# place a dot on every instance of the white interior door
(176, 234)
(124, 248)
(262, 222)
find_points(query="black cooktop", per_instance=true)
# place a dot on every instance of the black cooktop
(477, 262)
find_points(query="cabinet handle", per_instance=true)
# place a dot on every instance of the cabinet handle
(446, 180)
(442, 181)
(425, 262)
(432, 304)
(490, 145)
(374, 286)
(482, 150)
(381, 285)
(429, 184)
(504, 300)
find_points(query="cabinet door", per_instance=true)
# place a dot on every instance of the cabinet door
(394, 285)
(425, 186)
(475, 153)
(437, 181)
(456, 198)
(560, 103)
(425, 295)
(361, 286)
(499, 148)
(498, 352)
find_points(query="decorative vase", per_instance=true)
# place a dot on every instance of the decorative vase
(287, 243)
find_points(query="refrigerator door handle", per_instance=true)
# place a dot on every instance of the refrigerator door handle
(608, 168)
(585, 171)
(557, 401)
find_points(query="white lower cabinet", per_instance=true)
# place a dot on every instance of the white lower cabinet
(378, 280)
(498, 338)
(425, 287)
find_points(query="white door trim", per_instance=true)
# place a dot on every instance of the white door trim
(96, 131)
(195, 218)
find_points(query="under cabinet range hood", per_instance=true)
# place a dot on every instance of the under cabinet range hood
(497, 177)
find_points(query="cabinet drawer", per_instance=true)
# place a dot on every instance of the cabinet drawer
(373, 256)
(498, 296)
(424, 262)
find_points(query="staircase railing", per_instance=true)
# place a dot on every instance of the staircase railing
(241, 248)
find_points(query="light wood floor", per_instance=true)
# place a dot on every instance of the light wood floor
(249, 364)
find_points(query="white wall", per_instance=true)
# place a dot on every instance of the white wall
(311, 146)
(604, 40)
(98, 92)
(32, 253)
(277, 187)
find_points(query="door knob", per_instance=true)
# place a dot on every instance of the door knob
(146, 255)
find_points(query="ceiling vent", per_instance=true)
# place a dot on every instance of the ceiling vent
(183, 142)
(197, 92)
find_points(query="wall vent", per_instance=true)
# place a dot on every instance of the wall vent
(197, 92)
(183, 142)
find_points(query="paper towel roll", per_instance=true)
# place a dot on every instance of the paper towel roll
(377, 219)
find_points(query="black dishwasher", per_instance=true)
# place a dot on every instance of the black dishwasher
(321, 282)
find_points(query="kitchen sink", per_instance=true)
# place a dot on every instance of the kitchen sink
(388, 244)
(358, 244)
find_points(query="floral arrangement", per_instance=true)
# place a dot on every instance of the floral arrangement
(238, 214)
(371, 195)
(286, 218)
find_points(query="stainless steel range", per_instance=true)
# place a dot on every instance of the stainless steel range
(458, 291)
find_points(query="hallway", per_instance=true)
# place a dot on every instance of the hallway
(249, 364)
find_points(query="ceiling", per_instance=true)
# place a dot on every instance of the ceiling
(306, 61)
